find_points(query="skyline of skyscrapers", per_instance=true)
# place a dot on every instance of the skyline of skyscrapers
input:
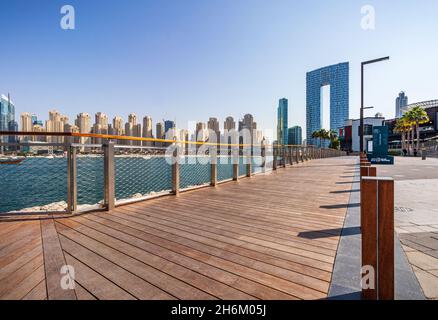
(337, 77)
(400, 104)
(102, 125)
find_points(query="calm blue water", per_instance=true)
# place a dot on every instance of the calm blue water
(42, 181)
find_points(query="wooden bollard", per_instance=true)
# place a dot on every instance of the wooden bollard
(368, 171)
(377, 208)
(365, 164)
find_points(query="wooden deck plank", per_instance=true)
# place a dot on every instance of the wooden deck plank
(91, 280)
(224, 221)
(20, 258)
(136, 249)
(39, 292)
(126, 280)
(54, 260)
(169, 250)
(232, 229)
(11, 287)
(271, 236)
(26, 286)
(202, 253)
(207, 245)
(205, 236)
(171, 285)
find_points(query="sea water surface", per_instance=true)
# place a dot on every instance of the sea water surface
(39, 181)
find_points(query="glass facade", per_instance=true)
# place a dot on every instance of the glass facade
(7, 120)
(168, 124)
(337, 76)
(295, 135)
(282, 133)
(400, 104)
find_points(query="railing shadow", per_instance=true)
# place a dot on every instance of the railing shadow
(340, 206)
(327, 233)
(346, 182)
(345, 191)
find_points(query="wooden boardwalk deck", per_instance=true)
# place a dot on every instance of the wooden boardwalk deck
(271, 236)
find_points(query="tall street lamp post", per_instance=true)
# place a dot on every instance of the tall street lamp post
(362, 99)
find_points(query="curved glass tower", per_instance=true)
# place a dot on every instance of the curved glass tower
(337, 77)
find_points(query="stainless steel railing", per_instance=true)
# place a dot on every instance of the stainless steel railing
(102, 176)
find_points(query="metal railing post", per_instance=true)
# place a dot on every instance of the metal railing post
(213, 174)
(109, 176)
(235, 171)
(213, 166)
(274, 158)
(72, 191)
(291, 160)
(248, 169)
(263, 154)
(283, 150)
(175, 172)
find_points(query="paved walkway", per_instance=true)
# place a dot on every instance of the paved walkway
(272, 236)
(416, 201)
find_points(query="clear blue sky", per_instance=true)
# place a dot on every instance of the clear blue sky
(188, 60)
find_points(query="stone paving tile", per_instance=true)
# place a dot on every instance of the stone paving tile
(422, 261)
(434, 272)
(407, 249)
(428, 228)
(400, 231)
(413, 244)
(429, 284)
(425, 241)
(433, 253)
(411, 229)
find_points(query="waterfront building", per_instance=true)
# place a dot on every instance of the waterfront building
(147, 130)
(83, 122)
(247, 123)
(401, 103)
(100, 126)
(229, 124)
(55, 123)
(428, 131)
(117, 127)
(36, 121)
(7, 120)
(201, 132)
(26, 124)
(337, 77)
(169, 124)
(131, 129)
(213, 125)
(159, 133)
(282, 115)
(349, 135)
(295, 135)
(38, 128)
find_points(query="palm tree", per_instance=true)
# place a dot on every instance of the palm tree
(334, 141)
(417, 116)
(325, 134)
(402, 127)
(317, 135)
